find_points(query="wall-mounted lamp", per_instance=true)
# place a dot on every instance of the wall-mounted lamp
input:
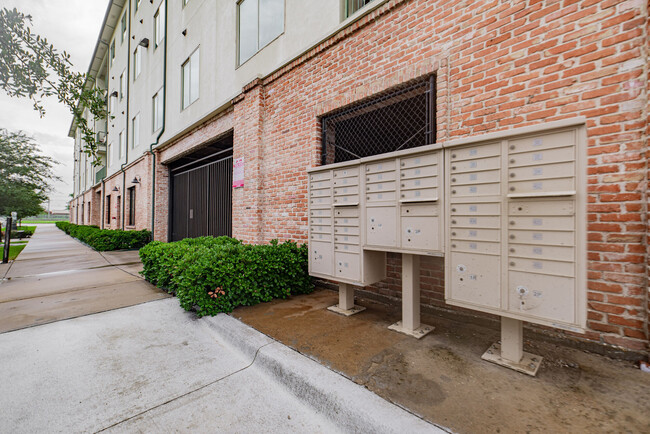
(116, 188)
(144, 43)
(136, 180)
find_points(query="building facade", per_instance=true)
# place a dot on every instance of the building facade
(194, 86)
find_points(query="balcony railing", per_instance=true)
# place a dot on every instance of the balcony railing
(101, 174)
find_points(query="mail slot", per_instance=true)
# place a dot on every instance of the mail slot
(348, 248)
(348, 265)
(321, 213)
(556, 238)
(546, 141)
(342, 182)
(381, 224)
(541, 223)
(542, 296)
(351, 221)
(419, 160)
(419, 210)
(487, 208)
(472, 178)
(322, 221)
(542, 171)
(321, 257)
(345, 200)
(321, 184)
(559, 185)
(320, 229)
(489, 163)
(411, 184)
(420, 233)
(321, 202)
(381, 186)
(344, 173)
(388, 196)
(347, 212)
(542, 207)
(422, 194)
(542, 266)
(475, 234)
(474, 280)
(472, 152)
(321, 192)
(480, 247)
(341, 191)
(419, 172)
(538, 251)
(381, 166)
(475, 190)
(346, 230)
(319, 176)
(321, 237)
(346, 239)
(557, 155)
(380, 177)
(488, 222)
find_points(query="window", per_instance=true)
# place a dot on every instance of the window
(190, 76)
(135, 132)
(137, 62)
(122, 84)
(108, 209)
(131, 192)
(123, 27)
(112, 50)
(260, 22)
(121, 150)
(351, 6)
(158, 111)
(159, 25)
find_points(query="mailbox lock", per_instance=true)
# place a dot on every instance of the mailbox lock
(453, 191)
(512, 237)
(512, 189)
(512, 223)
(408, 210)
(453, 233)
(402, 195)
(512, 147)
(512, 161)
(512, 264)
(402, 164)
(453, 167)
(367, 169)
(453, 155)
(409, 240)
(522, 291)
(512, 175)
(521, 208)
(512, 250)
(453, 210)
(453, 245)
(403, 184)
(453, 222)
(453, 179)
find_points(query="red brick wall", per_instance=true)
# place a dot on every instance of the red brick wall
(499, 65)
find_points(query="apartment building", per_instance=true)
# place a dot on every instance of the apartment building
(219, 107)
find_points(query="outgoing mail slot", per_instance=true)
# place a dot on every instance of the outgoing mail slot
(412, 184)
(345, 200)
(542, 207)
(472, 178)
(348, 221)
(542, 171)
(542, 296)
(422, 194)
(381, 186)
(321, 237)
(547, 141)
(348, 265)
(346, 239)
(321, 258)
(488, 208)
(319, 229)
(343, 182)
(319, 176)
(419, 172)
(475, 234)
(485, 222)
(344, 191)
(555, 238)
(490, 163)
(420, 233)
(560, 223)
(560, 185)
(538, 251)
(347, 248)
(380, 177)
(419, 160)
(321, 213)
(381, 224)
(476, 279)
(481, 247)
(347, 172)
(381, 166)
(473, 152)
(419, 210)
(542, 266)
(347, 212)
(346, 230)
(321, 221)
(321, 184)
(388, 196)
(557, 155)
(321, 202)
(475, 190)
(320, 193)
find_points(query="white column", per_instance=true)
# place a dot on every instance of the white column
(512, 339)
(410, 292)
(346, 296)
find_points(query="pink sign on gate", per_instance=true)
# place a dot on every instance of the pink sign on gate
(238, 173)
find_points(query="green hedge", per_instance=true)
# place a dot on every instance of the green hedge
(106, 239)
(212, 275)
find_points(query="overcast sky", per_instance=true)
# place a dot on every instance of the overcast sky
(72, 26)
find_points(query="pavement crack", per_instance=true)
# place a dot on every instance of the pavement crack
(186, 393)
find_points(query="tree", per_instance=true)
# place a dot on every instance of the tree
(25, 175)
(30, 67)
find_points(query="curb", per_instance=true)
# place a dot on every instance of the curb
(348, 405)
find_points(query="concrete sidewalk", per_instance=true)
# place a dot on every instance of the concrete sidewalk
(56, 277)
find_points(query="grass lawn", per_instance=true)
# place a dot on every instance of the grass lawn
(44, 221)
(26, 228)
(14, 251)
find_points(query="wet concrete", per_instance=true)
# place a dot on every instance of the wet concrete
(442, 377)
(56, 277)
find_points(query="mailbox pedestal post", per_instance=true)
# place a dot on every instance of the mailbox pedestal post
(509, 352)
(346, 304)
(410, 323)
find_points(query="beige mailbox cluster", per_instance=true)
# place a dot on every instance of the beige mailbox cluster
(507, 210)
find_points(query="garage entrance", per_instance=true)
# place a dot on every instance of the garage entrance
(201, 192)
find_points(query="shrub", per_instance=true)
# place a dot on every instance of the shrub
(106, 239)
(213, 275)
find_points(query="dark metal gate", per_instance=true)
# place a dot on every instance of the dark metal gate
(201, 197)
